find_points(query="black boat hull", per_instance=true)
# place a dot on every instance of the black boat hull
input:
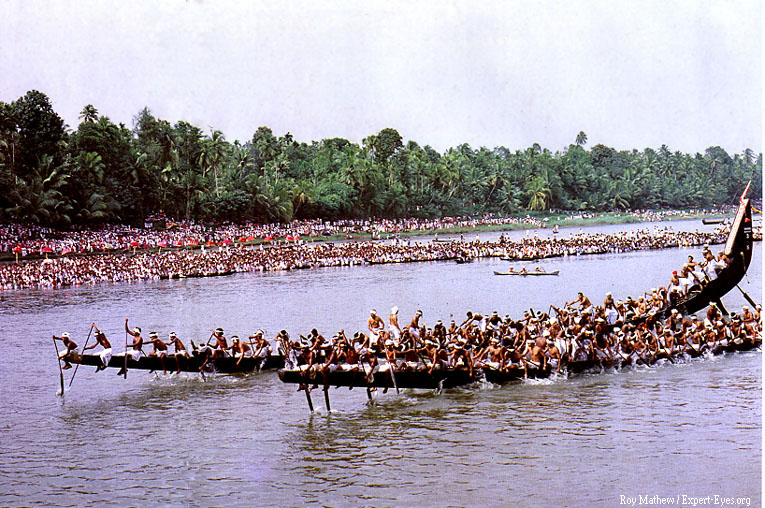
(225, 365)
(454, 377)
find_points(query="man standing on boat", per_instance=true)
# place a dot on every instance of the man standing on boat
(70, 346)
(106, 354)
(395, 329)
(137, 345)
(375, 324)
(180, 350)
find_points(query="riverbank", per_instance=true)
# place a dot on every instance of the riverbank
(21, 242)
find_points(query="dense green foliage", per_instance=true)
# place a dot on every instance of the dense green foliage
(104, 172)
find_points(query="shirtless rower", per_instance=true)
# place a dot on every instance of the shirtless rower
(160, 349)
(70, 347)
(535, 356)
(461, 356)
(375, 324)
(180, 349)
(106, 354)
(414, 327)
(583, 301)
(555, 356)
(334, 361)
(221, 345)
(239, 348)
(261, 349)
(493, 356)
(136, 346)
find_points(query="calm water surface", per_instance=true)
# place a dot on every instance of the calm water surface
(690, 428)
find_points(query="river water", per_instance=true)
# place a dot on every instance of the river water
(690, 429)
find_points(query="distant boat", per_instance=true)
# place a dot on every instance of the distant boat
(712, 221)
(555, 272)
(463, 259)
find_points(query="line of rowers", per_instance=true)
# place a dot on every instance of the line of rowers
(217, 346)
(579, 332)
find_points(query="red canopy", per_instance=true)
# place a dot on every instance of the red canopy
(268, 239)
(209, 243)
(47, 249)
(18, 250)
(226, 241)
(250, 238)
(242, 239)
(134, 244)
(179, 243)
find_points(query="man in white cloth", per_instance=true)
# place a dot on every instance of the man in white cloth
(395, 329)
(375, 324)
(106, 354)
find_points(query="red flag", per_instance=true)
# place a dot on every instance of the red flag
(743, 196)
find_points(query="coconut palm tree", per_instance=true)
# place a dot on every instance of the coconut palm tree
(581, 138)
(213, 153)
(88, 114)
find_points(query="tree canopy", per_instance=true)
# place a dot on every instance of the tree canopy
(106, 172)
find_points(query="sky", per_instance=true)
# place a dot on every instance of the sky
(630, 74)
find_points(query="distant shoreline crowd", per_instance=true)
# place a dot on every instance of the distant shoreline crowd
(166, 264)
(27, 241)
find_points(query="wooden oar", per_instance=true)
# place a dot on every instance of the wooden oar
(326, 400)
(60, 370)
(748, 298)
(83, 350)
(393, 376)
(308, 397)
(124, 367)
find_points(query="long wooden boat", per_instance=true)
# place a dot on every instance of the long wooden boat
(738, 249)
(224, 365)
(554, 272)
(449, 377)
(712, 221)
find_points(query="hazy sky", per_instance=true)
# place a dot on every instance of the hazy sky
(631, 74)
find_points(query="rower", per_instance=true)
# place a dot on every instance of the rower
(160, 349)
(414, 326)
(221, 345)
(335, 358)
(494, 355)
(461, 356)
(137, 345)
(286, 350)
(375, 324)
(713, 314)
(395, 329)
(180, 349)
(71, 347)
(261, 348)
(583, 301)
(106, 354)
(239, 349)
(554, 355)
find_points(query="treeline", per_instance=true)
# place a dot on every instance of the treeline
(107, 172)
